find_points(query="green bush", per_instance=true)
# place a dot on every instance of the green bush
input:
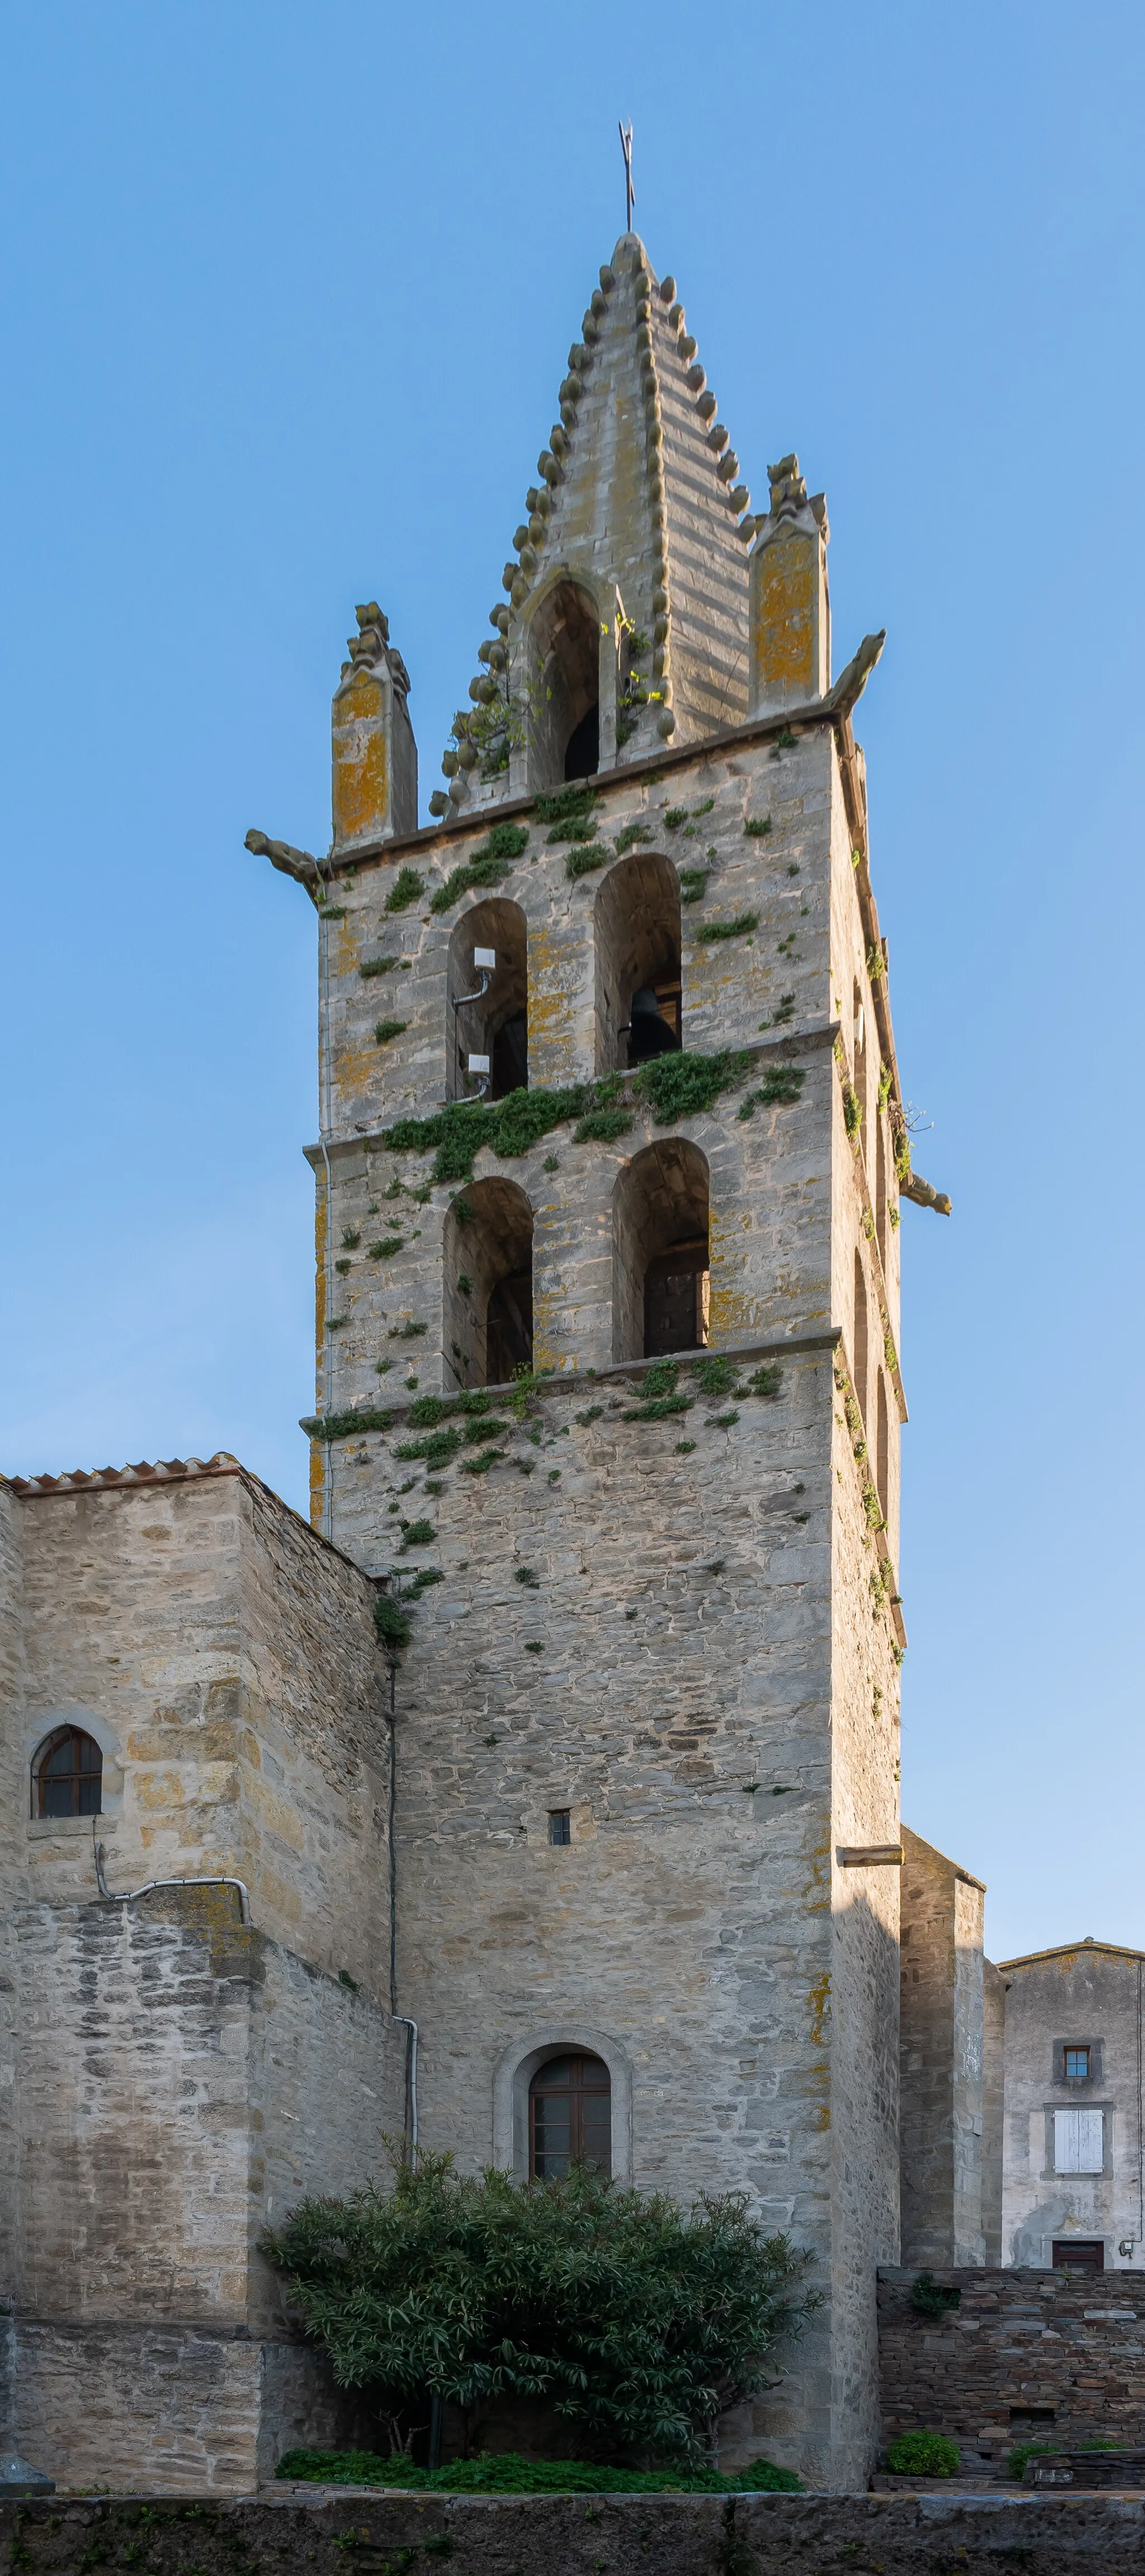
(923, 2455)
(507, 2473)
(628, 2316)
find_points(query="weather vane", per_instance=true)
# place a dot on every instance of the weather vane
(629, 190)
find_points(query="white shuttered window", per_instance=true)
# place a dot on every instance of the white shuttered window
(1077, 2142)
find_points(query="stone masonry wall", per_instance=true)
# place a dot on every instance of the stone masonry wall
(696, 2535)
(1046, 2355)
(227, 1659)
(941, 2058)
(679, 1630)
(181, 2083)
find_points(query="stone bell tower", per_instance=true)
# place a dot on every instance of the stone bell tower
(608, 1383)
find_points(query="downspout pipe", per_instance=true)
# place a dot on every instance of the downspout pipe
(128, 1895)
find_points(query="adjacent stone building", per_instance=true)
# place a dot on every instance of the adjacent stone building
(194, 1979)
(1072, 2192)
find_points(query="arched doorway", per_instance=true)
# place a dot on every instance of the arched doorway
(660, 1252)
(570, 2117)
(637, 943)
(564, 696)
(490, 1017)
(488, 1283)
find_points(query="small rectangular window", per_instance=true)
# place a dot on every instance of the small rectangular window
(1078, 2143)
(1076, 2065)
(560, 1825)
(1079, 2254)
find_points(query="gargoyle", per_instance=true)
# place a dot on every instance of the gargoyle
(293, 863)
(851, 683)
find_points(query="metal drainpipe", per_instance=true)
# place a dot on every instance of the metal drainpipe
(1141, 2116)
(129, 1894)
(395, 2015)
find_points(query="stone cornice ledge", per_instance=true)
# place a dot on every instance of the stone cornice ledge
(344, 1141)
(659, 764)
(574, 1382)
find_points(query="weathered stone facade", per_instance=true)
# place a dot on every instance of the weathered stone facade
(659, 1610)
(941, 2041)
(1073, 2171)
(175, 2076)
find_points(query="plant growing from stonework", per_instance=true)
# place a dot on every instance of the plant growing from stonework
(632, 2319)
(407, 888)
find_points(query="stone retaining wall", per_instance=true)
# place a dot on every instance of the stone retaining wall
(1024, 2355)
(329, 2533)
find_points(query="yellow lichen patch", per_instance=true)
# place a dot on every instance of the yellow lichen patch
(556, 972)
(819, 2002)
(277, 1814)
(354, 1070)
(546, 1307)
(276, 1892)
(361, 768)
(317, 1486)
(733, 1316)
(784, 612)
(159, 1789)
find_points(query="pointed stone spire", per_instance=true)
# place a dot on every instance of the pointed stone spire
(627, 622)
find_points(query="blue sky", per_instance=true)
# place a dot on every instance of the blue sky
(288, 296)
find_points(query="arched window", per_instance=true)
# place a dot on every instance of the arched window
(861, 1337)
(564, 648)
(570, 2117)
(660, 1252)
(637, 941)
(488, 1283)
(67, 1774)
(488, 1004)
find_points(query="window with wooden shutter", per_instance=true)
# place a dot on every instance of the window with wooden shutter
(1078, 2142)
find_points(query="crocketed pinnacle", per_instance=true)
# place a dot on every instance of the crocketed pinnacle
(638, 502)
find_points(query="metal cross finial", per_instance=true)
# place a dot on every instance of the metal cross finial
(629, 190)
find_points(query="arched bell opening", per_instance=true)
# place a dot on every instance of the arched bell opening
(488, 1002)
(564, 687)
(488, 1283)
(660, 1252)
(637, 942)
